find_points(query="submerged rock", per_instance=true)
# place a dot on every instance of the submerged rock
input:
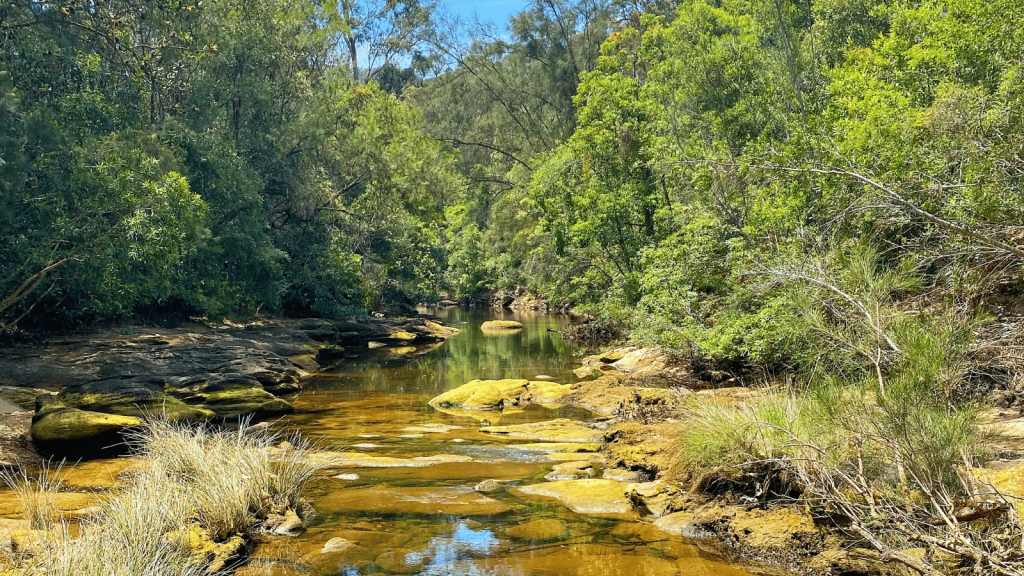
(360, 460)
(488, 486)
(604, 497)
(559, 430)
(544, 530)
(429, 501)
(336, 544)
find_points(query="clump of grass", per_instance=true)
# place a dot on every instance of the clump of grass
(37, 494)
(225, 481)
(236, 478)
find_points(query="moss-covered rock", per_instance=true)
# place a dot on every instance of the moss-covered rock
(482, 394)
(231, 404)
(157, 404)
(501, 325)
(72, 432)
(549, 393)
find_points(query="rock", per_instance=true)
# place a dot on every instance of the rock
(229, 396)
(639, 530)
(336, 544)
(496, 325)
(774, 533)
(604, 497)
(487, 397)
(546, 393)
(20, 398)
(563, 447)
(543, 377)
(571, 471)
(560, 430)
(544, 530)
(588, 372)
(488, 486)
(290, 526)
(347, 477)
(431, 428)
(375, 345)
(403, 561)
(330, 355)
(428, 501)
(139, 397)
(203, 549)
(360, 460)
(481, 394)
(79, 433)
(654, 497)
(678, 523)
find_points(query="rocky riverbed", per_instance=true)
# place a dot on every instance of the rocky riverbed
(83, 392)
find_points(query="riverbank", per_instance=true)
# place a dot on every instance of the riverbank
(84, 391)
(758, 515)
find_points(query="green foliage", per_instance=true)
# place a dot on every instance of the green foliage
(205, 159)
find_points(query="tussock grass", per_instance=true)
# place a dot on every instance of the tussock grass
(37, 494)
(225, 481)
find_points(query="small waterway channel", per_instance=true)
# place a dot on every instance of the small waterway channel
(420, 517)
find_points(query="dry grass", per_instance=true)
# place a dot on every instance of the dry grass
(37, 494)
(224, 481)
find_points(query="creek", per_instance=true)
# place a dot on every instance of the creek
(404, 517)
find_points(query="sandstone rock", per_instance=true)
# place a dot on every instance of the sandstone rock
(403, 561)
(681, 524)
(604, 497)
(571, 471)
(549, 393)
(496, 325)
(654, 497)
(290, 526)
(73, 432)
(429, 501)
(544, 530)
(336, 544)
(229, 396)
(488, 486)
(481, 394)
(559, 430)
(360, 460)
(587, 372)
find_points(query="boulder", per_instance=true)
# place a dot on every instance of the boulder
(139, 397)
(71, 432)
(497, 325)
(481, 394)
(229, 396)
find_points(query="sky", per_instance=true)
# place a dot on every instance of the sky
(496, 12)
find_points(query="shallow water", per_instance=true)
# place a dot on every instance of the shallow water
(426, 519)
(409, 516)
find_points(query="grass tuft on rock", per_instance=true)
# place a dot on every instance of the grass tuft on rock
(191, 480)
